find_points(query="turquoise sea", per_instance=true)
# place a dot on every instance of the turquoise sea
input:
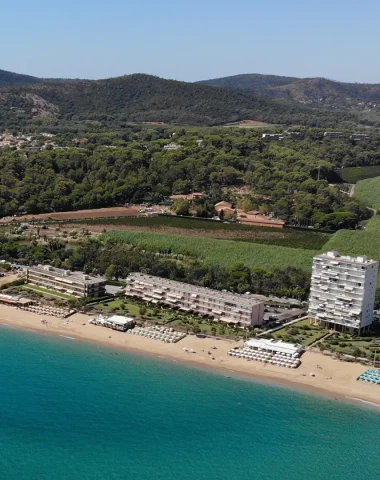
(71, 410)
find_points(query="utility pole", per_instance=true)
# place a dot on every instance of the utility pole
(319, 172)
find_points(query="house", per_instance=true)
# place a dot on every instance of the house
(222, 206)
(252, 217)
(189, 196)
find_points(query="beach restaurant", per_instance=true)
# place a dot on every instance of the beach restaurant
(15, 301)
(116, 322)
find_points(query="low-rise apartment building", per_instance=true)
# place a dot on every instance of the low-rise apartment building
(221, 305)
(342, 293)
(77, 284)
(296, 135)
(273, 136)
(357, 137)
(334, 134)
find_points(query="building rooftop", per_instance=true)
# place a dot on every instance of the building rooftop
(120, 320)
(362, 260)
(277, 345)
(67, 274)
(247, 300)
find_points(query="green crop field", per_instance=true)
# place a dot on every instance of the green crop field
(357, 242)
(218, 252)
(354, 174)
(368, 191)
(286, 237)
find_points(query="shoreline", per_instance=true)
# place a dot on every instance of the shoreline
(333, 378)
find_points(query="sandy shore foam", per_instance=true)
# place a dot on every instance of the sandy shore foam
(332, 377)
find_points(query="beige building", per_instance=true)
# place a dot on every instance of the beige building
(65, 281)
(221, 305)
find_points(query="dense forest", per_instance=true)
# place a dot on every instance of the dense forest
(145, 98)
(289, 179)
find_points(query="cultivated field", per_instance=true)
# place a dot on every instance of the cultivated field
(218, 252)
(212, 229)
(79, 214)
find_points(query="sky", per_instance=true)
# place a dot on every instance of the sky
(193, 40)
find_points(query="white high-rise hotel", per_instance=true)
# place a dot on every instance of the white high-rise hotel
(343, 289)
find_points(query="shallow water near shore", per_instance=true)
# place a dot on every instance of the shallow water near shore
(72, 410)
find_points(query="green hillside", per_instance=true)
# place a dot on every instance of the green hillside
(368, 192)
(145, 98)
(357, 242)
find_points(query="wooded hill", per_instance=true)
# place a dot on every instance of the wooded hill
(145, 98)
(313, 92)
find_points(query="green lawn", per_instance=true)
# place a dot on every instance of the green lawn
(133, 308)
(304, 336)
(46, 291)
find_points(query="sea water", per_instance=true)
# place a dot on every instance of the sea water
(72, 410)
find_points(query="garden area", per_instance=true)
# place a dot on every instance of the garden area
(345, 344)
(301, 332)
(167, 316)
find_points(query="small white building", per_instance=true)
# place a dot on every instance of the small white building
(171, 146)
(343, 289)
(116, 322)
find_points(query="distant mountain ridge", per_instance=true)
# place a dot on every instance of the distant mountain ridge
(312, 92)
(142, 98)
(8, 79)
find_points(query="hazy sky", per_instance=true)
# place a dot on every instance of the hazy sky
(192, 40)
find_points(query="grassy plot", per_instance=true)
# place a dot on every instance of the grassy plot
(354, 174)
(368, 191)
(218, 252)
(124, 307)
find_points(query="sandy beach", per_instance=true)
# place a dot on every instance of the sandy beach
(332, 377)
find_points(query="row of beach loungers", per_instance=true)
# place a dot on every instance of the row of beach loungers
(279, 359)
(370, 376)
(168, 335)
(47, 310)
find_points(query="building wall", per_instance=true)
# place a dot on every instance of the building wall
(228, 308)
(71, 285)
